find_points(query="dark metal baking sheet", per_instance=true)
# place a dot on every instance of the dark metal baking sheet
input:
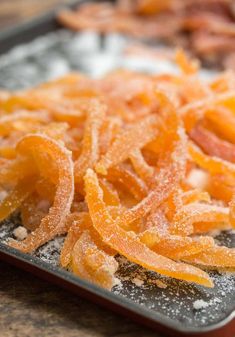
(47, 51)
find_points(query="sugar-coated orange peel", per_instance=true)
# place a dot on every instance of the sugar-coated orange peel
(212, 144)
(127, 244)
(53, 223)
(89, 261)
(129, 164)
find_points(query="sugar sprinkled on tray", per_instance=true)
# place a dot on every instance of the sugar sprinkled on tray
(200, 304)
(138, 282)
(20, 233)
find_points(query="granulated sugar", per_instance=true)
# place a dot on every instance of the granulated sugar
(50, 252)
(20, 233)
(200, 304)
(160, 284)
(138, 282)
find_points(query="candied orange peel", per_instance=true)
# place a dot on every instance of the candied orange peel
(129, 164)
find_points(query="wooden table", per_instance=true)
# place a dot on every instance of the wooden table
(16, 11)
(30, 307)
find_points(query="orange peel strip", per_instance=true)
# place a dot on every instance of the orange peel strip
(45, 189)
(192, 112)
(187, 66)
(90, 262)
(212, 164)
(158, 219)
(110, 129)
(222, 120)
(52, 224)
(207, 227)
(126, 177)
(110, 194)
(134, 137)
(170, 174)
(76, 224)
(175, 247)
(19, 121)
(90, 146)
(184, 219)
(195, 196)
(221, 187)
(214, 257)
(213, 145)
(141, 167)
(172, 164)
(15, 198)
(60, 110)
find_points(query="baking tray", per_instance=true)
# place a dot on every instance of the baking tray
(44, 50)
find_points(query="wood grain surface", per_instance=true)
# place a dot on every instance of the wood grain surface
(30, 307)
(13, 12)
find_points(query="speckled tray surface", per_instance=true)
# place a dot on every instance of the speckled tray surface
(180, 306)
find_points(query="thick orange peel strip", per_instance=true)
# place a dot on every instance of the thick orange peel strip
(89, 261)
(197, 212)
(212, 144)
(174, 246)
(213, 164)
(222, 120)
(194, 196)
(52, 224)
(76, 223)
(127, 141)
(221, 187)
(213, 257)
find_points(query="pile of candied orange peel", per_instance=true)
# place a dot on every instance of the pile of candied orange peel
(130, 164)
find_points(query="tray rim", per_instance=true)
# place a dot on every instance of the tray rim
(62, 274)
(35, 265)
